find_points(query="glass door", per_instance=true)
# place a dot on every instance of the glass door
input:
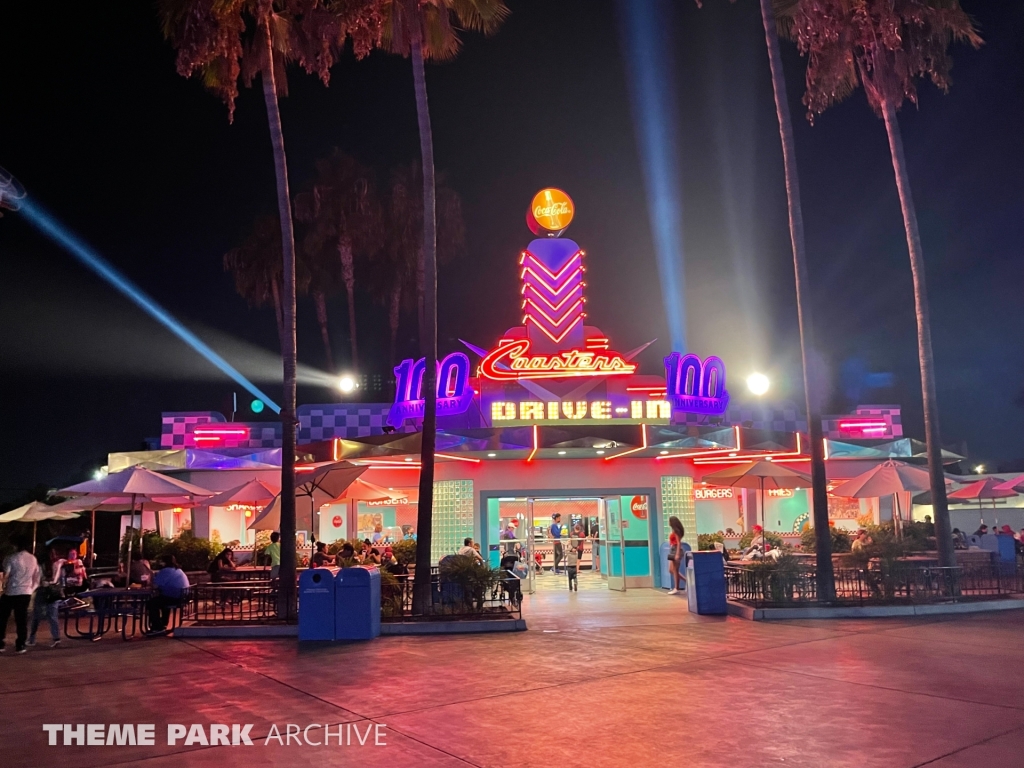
(611, 538)
(531, 563)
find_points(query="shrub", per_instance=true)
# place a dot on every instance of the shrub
(191, 552)
(707, 541)
(840, 540)
(473, 578)
(404, 551)
(769, 536)
(777, 580)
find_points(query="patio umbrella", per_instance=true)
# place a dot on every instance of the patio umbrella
(759, 475)
(33, 513)
(254, 493)
(1013, 484)
(888, 478)
(981, 490)
(137, 485)
(318, 487)
(364, 490)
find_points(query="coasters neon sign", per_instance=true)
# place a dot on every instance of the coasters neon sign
(696, 386)
(511, 360)
(454, 394)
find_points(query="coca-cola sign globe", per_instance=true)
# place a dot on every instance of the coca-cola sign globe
(551, 211)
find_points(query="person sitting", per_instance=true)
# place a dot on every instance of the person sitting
(959, 540)
(372, 557)
(320, 558)
(222, 564)
(861, 541)
(468, 550)
(982, 530)
(140, 572)
(170, 582)
(74, 574)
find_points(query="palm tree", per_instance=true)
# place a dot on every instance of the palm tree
(256, 268)
(230, 40)
(399, 274)
(429, 30)
(344, 215)
(886, 46)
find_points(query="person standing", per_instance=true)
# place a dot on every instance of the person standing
(572, 560)
(21, 577)
(555, 532)
(273, 551)
(46, 604)
(675, 553)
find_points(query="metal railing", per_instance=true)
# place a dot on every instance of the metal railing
(764, 586)
(240, 602)
(452, 600)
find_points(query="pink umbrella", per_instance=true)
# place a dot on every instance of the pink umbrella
(1014, 484)
(890, 478)
(254, 493)
(983, 489)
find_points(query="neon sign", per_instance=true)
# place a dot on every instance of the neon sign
(454, 394)
(551, 209)
(209, 436)
(553, 297)
(696, 386)
(708, 494)
(511, 360)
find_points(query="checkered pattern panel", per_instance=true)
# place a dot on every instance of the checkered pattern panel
(345, 420)
(176, 431)
(890, 414)
(785, 418)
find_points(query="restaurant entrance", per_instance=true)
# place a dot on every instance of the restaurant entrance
(539, 537)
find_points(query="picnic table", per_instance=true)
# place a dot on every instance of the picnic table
(107, 610)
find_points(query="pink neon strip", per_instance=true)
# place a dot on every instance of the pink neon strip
(555, 323)
(542, 297)
(553, 290)
(552, 275)
(558, 339)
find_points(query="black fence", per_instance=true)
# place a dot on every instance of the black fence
(501, 599)
(253, 602)
(765, 586)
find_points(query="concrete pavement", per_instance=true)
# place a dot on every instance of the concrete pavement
(600, 679)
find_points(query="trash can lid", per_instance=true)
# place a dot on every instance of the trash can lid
(357, 576)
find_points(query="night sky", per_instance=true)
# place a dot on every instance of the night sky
(145, 167)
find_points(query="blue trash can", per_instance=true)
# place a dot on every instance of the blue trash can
(705, 577)
(316, 604)
(357, 603)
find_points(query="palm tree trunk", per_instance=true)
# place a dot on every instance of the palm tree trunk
(287, 574)
(275, 293)
(348, 275)
(940, 507)
(428, 334)
(320, 302)
(819, 491)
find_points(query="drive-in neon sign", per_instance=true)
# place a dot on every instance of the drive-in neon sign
(511, 360)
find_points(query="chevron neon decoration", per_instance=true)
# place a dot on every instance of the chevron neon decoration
(553, 297)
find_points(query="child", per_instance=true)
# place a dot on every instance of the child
(572, 559)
